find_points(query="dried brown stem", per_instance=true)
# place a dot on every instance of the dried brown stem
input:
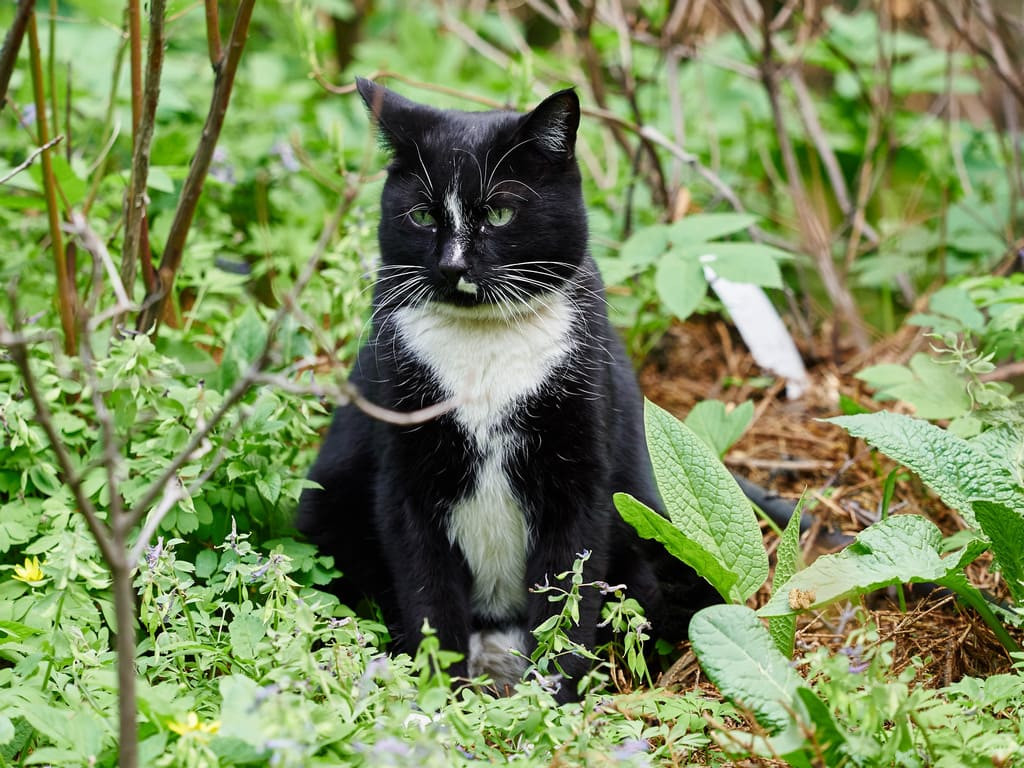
(170, 262)
(812, 229)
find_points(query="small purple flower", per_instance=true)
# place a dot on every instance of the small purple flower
(220, 168)
(153, 553)
(858, 663)
(286, 154)
(631, 748)
(28, 116)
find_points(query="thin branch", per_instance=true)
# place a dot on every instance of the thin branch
(12, 44)
(213, 44)
(170, 263)
(30, 159)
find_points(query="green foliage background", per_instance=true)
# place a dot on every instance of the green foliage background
(241, 660)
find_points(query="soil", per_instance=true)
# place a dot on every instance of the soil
(788, 450)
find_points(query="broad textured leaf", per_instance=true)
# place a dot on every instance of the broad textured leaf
(1005, 446)
(738, 655)
(702, 227)
(718, 426)
(1005, 528)
(787, 560)
(898, 550)
(680, 283)
(948, 464)
(650, 525)
(703, 501)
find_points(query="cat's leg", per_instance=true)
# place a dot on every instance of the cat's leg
(337, 516)
(430, 578)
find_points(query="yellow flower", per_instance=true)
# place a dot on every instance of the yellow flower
(31, 572)
(193, 725)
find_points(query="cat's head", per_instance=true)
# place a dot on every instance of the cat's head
(480, 209)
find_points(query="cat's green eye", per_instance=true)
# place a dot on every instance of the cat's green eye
(499, 217)
(422, 218)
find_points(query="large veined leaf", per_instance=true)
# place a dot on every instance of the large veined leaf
(1005, 528)
(901, 549)
(704, 504)
(957, 471)
(787, 560)
(738, 655)
(650, 525)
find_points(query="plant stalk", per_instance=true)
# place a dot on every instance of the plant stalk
(67, 299)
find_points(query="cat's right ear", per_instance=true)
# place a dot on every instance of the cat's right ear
(395, 116)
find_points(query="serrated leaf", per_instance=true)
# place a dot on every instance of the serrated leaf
(703, 501)
(702, 227)
(680, 283)
(901, 549)
(738, 655)
(787, 560)
(650, 525)
(948, 464)
(1005, 529)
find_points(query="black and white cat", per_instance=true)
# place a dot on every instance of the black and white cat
(486, 296)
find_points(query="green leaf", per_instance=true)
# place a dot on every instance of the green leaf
(650, 525)
(787, 560)
(738, 655)
(702, 227)
(246, 631)
(935, 390)
(206, 563)
(680, 283)
(1005, 528)
(902, 549)
(740, 262)
(703, 501)
(948, 464)
(645, 246)
(718, 425)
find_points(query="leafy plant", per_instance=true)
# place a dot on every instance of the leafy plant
(709, 523)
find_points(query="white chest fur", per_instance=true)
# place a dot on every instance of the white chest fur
(488, 365)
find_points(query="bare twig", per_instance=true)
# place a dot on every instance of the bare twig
(30, 159)
(170, 262)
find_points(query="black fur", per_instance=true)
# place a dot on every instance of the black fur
(387, 491)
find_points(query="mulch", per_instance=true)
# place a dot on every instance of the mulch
(788, 450)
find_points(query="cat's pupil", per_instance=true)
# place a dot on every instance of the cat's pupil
(422, 217)
(499, 217)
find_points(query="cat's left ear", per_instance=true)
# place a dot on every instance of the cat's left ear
(551, 126)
